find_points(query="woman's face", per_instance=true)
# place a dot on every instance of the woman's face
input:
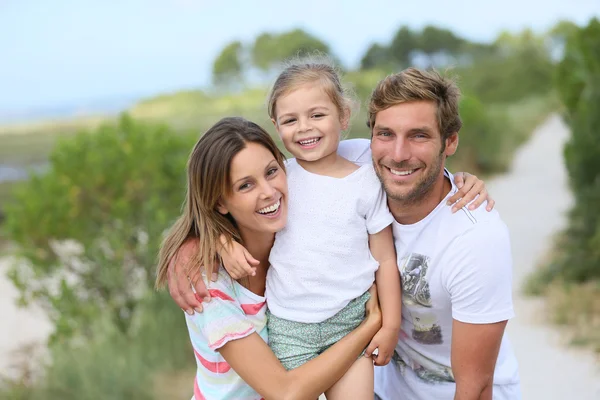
(258, 199)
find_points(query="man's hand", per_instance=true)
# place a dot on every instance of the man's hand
(385, 341)
(185, 281)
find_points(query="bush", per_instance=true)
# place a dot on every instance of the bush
(89, 229)
(578, 83)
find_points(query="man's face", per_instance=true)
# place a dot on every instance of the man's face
(407, 150)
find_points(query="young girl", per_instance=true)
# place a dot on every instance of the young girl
(338, 239)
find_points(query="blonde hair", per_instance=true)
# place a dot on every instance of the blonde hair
(208, 180)
(310, 69)
(413, 84)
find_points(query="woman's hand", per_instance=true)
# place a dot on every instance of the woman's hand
(372, 309)
(470, 188)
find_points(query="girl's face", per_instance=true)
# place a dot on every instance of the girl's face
(309, 122)
(258, 199)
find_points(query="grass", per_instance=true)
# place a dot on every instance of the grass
(576, 306)
(571, 305)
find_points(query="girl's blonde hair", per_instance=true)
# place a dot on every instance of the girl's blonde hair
(307, 70)
(208, 181)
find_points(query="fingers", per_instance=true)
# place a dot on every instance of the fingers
(490, 204)
(249, 262)
(181, 291)
(459, 179)
(466, 194)
(371, 348)
(479, 200)
(383, 358)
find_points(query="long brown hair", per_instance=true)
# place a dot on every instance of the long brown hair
(208, 180)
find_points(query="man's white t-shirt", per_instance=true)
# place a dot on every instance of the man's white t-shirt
(321, 260)
(453, 266)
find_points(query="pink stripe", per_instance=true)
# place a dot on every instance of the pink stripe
(197, 393)
(219, 294)
(215, 367)
(252, 309)
(230, 336)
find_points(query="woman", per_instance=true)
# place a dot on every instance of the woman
(234, 171)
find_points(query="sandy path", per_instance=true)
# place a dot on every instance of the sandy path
(533, 199)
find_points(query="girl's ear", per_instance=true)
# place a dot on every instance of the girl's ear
(276, 126)
(345, 119)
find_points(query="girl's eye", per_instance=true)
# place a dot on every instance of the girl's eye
(244, 186)
(318, 115)
(288, 121)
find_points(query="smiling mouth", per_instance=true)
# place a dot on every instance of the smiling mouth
(398, 172)
(270, 210)
(309, 142)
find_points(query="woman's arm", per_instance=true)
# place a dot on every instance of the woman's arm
(470, 188)
(387, 278)
(252, 359)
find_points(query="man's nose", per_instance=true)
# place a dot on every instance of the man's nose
(401, 150)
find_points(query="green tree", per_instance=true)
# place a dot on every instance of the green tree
(271, 49)
(435, 41)
(376, 56)
(88, 230)
(403, 45)
(228, 66)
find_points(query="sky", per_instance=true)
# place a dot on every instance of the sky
(56, 52)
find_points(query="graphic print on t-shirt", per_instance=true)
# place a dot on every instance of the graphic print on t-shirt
(415, 287)
(416, 295)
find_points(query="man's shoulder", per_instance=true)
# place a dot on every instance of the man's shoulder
(478, 223)
(356, 150)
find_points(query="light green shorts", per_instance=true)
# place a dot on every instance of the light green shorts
(295, 343)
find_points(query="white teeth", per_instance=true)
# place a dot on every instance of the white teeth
(309, 141)
(401, 173)
(270, 209)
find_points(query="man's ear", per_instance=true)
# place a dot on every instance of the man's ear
(451, 144)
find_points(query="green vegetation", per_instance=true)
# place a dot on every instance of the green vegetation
(575, 263)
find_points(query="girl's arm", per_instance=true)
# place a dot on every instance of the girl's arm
(387, 279)
(252, 359)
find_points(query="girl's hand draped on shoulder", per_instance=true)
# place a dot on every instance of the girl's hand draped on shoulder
(236, 259)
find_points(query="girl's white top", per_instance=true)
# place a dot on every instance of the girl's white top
(321, 260)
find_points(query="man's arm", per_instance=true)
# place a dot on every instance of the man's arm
(474, 352)
(480, 287)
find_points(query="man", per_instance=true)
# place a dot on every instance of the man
(455, 267)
